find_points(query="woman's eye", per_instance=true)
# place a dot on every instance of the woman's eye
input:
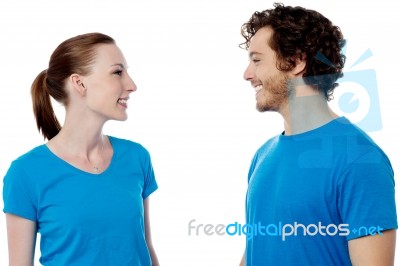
(256, 60)
(118, 72)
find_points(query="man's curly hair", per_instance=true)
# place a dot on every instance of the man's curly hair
(299, 33)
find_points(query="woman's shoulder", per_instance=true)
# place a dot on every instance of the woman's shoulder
(35, 159)
(125, 144)
(37, 153)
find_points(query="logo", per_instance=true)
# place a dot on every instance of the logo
(281, 230)
(357, 97)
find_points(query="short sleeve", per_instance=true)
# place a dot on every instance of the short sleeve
(17, 193)
(252, 167)
(150, 184)
(367, 197)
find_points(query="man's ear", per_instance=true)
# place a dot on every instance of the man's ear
(300, 67)
(77, 84)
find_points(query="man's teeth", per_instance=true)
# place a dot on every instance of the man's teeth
(124, 101)
(258, 88)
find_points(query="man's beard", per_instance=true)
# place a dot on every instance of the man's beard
(274, 94)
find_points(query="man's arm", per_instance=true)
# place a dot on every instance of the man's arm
(377, 250)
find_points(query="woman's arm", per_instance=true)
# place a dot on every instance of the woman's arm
(153, 254)
(242, 263)
(21, 234)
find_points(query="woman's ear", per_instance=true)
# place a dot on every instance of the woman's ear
(77, 84)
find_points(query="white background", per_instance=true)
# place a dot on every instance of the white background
(192, 111)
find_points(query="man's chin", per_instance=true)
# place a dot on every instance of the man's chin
(263, 108)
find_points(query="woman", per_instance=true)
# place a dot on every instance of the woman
(84, 192)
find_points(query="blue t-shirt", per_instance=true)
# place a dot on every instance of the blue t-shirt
(311, 193)
(83, 218)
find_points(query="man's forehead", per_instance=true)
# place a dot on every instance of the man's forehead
(260, 41)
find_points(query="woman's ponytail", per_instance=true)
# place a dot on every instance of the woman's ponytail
(46, 119)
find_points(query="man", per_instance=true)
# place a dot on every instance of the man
(322, 192)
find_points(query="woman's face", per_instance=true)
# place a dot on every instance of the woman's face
(108, 85)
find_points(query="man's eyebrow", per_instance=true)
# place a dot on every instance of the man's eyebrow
(254, 53)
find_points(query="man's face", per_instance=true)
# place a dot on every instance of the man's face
(262, 72)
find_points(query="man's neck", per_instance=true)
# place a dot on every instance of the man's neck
(307, 109)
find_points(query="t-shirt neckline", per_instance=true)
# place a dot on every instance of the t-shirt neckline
(67, 164)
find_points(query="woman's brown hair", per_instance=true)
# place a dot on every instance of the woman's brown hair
(75, 55)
